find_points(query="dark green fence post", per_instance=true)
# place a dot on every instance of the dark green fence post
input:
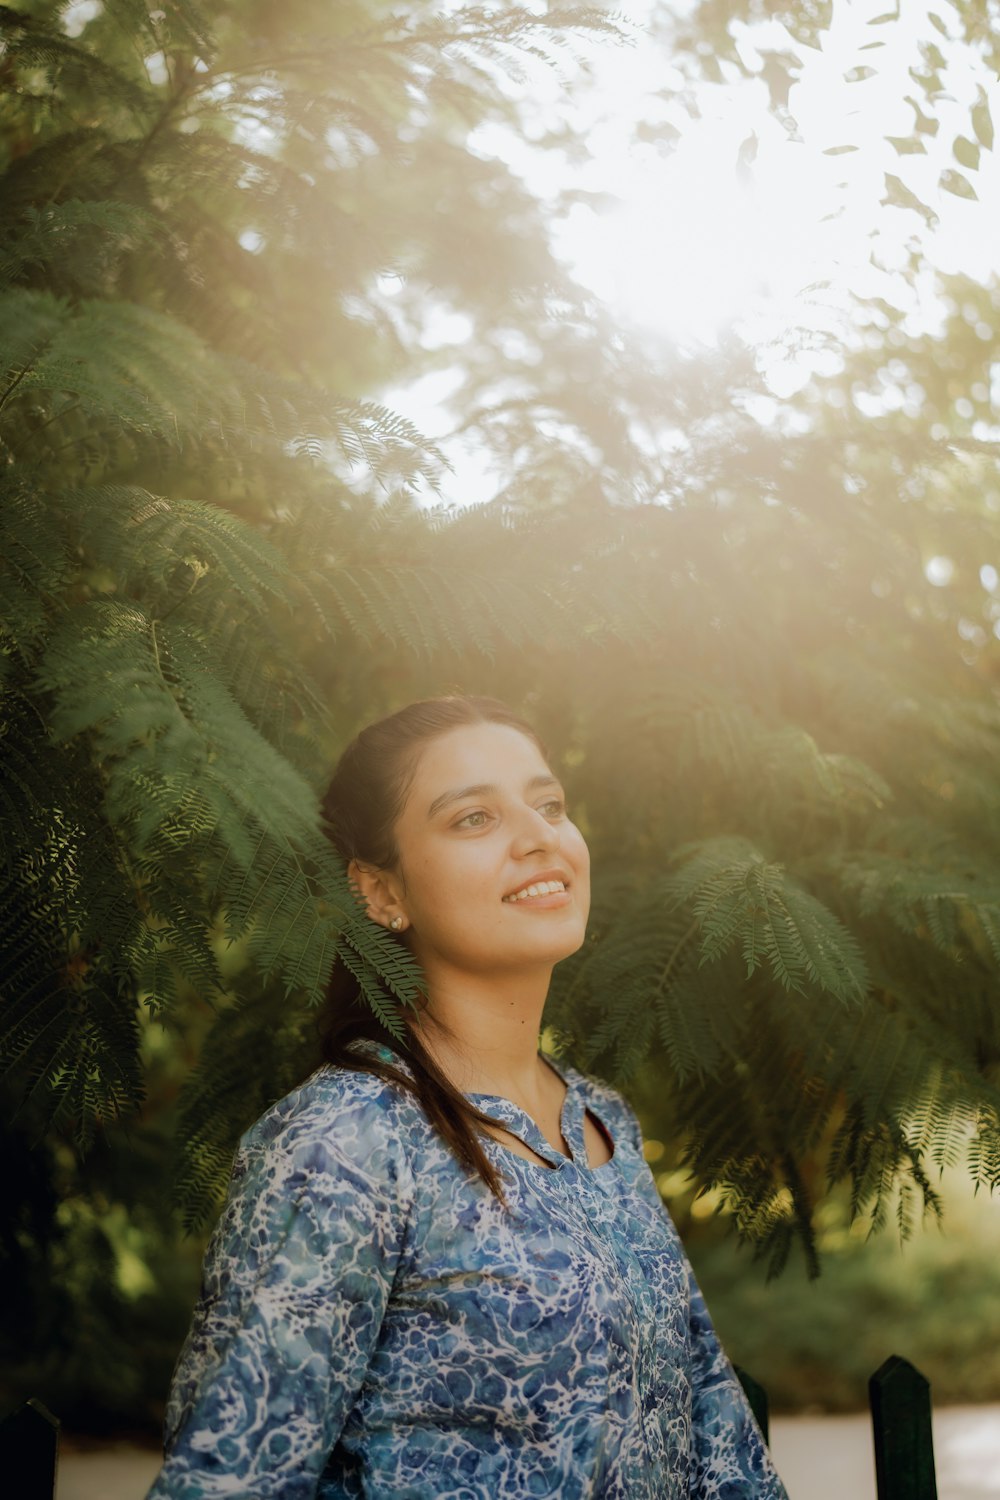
(757, 1397)
(29, 1446)
(901, 1425)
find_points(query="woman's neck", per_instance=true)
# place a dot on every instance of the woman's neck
(483, 1034)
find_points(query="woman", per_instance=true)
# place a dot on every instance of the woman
(444, 1269)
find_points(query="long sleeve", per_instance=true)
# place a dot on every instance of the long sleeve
(296, 1282)
(729, 1458)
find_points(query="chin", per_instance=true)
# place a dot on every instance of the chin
(566, 945)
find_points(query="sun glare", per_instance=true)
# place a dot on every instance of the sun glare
(696, 243)
(689, 225)
(728, 219)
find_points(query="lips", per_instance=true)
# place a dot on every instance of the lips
(545, 883)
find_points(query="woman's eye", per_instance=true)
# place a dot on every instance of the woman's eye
(472, 820)
(556, 808)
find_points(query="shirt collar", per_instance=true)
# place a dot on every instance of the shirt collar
(511, 1116)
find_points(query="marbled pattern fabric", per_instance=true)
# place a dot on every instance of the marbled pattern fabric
(374, 1323)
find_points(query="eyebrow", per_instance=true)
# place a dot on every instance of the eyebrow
(483, 789)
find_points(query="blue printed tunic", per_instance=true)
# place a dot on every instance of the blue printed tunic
(374, 1323)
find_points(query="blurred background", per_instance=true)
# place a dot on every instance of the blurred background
(641, 369)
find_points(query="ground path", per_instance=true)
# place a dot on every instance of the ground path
(831, 1458)
(819, 1458)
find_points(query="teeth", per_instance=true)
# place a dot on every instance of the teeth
(543, 888)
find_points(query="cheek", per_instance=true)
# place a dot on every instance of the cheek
(581, 862)
(444, 886)
(576, 846)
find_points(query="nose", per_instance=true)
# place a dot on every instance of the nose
(534, 832)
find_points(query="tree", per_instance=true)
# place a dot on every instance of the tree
(779, 733)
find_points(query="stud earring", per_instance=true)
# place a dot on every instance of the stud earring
(396, 924)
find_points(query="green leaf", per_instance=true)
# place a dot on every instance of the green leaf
(967, 152)
(925, 124)
(953, 182)
(898, 195)
(982, 120)
(657, 133)
(907, 145)
(737, 897)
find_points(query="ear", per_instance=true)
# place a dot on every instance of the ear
(380, 890)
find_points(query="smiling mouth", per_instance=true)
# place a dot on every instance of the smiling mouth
(538, 888)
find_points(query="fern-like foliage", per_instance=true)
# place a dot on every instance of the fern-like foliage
(736, 896)
(819, 983)
(193, 524)
(216, 564)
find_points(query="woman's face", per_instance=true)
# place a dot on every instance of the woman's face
(484, 820)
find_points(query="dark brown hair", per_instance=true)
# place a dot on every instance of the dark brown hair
(363, 802)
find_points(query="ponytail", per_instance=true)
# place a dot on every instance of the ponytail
(364, 800)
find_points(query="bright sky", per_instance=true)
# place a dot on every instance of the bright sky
(688, 242)
(696, 242)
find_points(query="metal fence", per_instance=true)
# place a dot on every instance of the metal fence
(899, 1396)
(900, 1401)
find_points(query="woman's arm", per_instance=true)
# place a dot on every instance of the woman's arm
(730, 1460)
(295, 1287)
